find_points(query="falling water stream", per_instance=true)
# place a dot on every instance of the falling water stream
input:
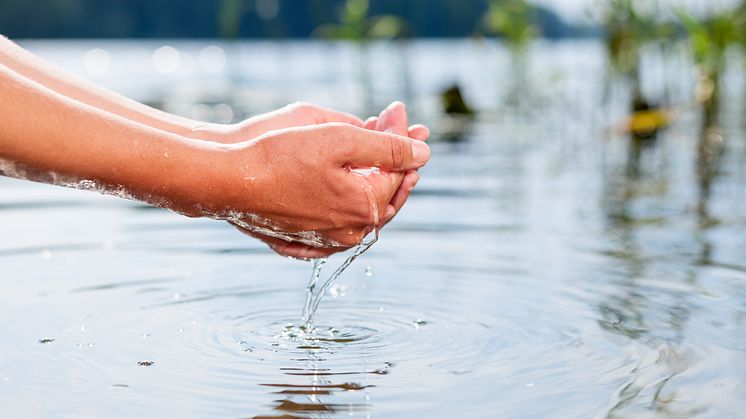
(314, 295)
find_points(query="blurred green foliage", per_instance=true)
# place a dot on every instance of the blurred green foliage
(514, 20)
(627, 31)
(355, 24)
(712, 36)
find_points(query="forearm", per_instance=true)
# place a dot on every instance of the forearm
(32, 67)
(49, 137)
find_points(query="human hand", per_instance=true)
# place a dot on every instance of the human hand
(394, 119)
(296, 188)
(295, 115)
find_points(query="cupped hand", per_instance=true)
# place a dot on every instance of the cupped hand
(298, 114)
(297, 189)
(393, 120)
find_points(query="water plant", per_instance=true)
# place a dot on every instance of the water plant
(515, 22)
(711, 37)
(356, 25)
(627, 30)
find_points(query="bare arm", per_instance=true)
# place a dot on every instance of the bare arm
(295, 184)
(76, 88)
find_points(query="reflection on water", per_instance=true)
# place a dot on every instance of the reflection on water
(532, 274)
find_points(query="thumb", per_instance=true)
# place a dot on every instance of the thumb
(386, 151)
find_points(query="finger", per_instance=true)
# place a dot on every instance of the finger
(402, 194)
(322, 115)
(394, 119)
(385, 151)
(419, 132)
(371, 123)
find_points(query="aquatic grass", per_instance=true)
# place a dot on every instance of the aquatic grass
(711, 37)
(356, 25)
(515, 22)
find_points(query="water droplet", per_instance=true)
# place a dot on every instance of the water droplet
(530, 384)
(369, 271)
(82, 328)
(176, 296)
(46, 254)
(180, 330)
(381, 309)
(145, 363)
(419, 323)
(338, 291)
(145, 335)
(6, 379)
(44, 341)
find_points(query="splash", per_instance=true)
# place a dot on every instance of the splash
(314, 292)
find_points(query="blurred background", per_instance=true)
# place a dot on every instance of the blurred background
(612, 69)
(574, 249)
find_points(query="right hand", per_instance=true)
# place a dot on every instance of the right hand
(299, 181)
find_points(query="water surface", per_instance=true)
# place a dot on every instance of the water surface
(529, 276)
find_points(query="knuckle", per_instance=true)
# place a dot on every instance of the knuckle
(301, 108)
(397, 151)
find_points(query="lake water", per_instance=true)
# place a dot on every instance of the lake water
(528, 277)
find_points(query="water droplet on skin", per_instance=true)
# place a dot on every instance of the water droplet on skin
(46, 254)
(530, 384)
(369, 271)
(82, 328)
(176, 296)
(145, 335)
(180, 330)
(45, 341)
(145, 363)
(419, 323)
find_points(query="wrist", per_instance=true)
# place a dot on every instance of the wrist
(212, 179)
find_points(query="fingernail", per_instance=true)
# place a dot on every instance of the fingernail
(420, 152)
